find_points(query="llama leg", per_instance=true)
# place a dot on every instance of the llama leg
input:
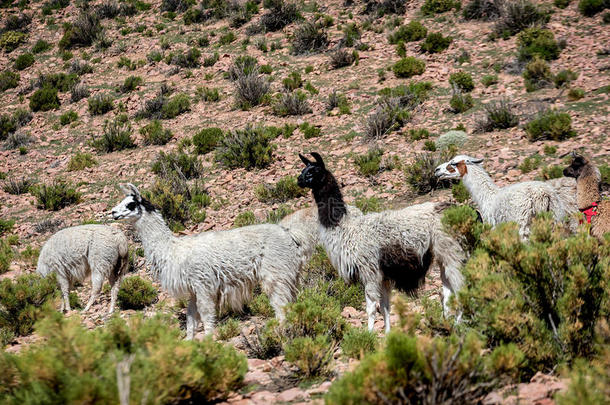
(97, 280)
(372, 303)
(64, 286)
(278, 301)
(385, 304)
(206, 307)
(191, 318)
(446, 296)
(115, 284)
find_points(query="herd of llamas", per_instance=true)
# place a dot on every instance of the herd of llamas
(382, 251)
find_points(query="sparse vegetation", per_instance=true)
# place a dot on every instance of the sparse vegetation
(115, 136)
(80, 161)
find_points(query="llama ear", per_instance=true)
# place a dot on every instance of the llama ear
(305, 160)
(476, 160)
(130, 189)
(318, 158)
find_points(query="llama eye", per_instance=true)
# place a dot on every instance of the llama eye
(131, 206)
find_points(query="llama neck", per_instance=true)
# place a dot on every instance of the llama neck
(482, 189)
(331, 207)
(156, 238)
(587, 187)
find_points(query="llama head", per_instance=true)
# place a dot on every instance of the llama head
(576, 168)
(132, 206)
(314, 175)
(456, 168)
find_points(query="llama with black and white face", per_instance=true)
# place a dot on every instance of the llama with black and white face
(214, 269)
(382, 250)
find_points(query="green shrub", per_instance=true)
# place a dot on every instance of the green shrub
(167, 164)
(245, 218)
(436, 43)
(369, 163)
(177, 105)
(80, 161)
(131, 83)
(517, 16)
(23, 61)
(116, 135)
(418, 134)
(147, 350)
(308, 38)
(311, 356)
(44, 99)
(482, 10)
(55, 196)
(248, 148)
(551, 172)
(228, 329)
(178, 201)
(537, 75)
(10, 40)
(564, 78)
(459, 192)
(68, 117)
(242, 65)
(537, 43)
(211, 60)
(462, 81)
(550, 124)
(414, 31)
(22, 302)
(589, 8)
(82, 32)
(17, 186)
(561, 3)
(293, 81)
(250, 90)
(530, 163)
(314, 313)
(366, 205)
(420, 173)
(498, 115)
(136, 293)
(207, 139)
(61, 81)
(418, 370)
(267, 341)
(208, 94)
(6, 225)
(155, 134)
(261, 306)
(489, 80)
(553, 291)
(6, 251)
(283, 190)
(408, 67)
(188, 59)
(294, 103)
(589, 380)
(431, 7)
(9, 80)
(100, 104)
(41, 46)
(227, 38)
(8, 125)
(461, 102)
(357, 342)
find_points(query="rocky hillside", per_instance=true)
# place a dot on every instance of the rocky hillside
(206, 105)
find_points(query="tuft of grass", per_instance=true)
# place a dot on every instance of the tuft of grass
(55, 196)
(68, 117)
(357, 342)
(155, 134)
(283, 190)
(116, 135)
(80, 161)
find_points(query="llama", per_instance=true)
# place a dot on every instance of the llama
(217, 268)
(588, 196)
(74, 253)
(518, 202)
(303, 226)
(385, 249)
